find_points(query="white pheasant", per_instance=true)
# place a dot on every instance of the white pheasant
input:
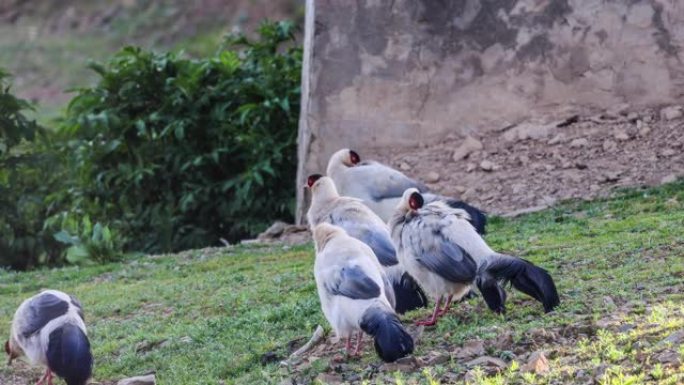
(380, 186)
(49, 330)
(361, 223)
(353, 293)
(440, 248)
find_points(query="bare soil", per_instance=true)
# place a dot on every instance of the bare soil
(532, 165)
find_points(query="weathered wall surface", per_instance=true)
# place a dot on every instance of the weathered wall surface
(396, 72)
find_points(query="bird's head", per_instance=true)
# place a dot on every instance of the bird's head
(312, 179)
(346, 157)
(322, 187)
(412, 200)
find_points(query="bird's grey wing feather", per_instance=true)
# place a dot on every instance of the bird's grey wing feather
(352, 282)
(439, 254)
(41, 310)
(379, 241)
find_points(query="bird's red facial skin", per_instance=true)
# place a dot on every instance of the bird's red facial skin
(312, 179)
(354, 158)
(415, 201)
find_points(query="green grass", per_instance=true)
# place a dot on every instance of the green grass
(206, 316)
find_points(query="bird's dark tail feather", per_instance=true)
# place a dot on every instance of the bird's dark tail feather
(69, 355)
(408, 295)
(523, 275)
(391, 340)
(477, 218)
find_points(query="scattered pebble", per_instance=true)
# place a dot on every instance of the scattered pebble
(537, 363)
(487, 165)
(432, 177)
(140, 380)
(579, 142)
(671, 113)
(468, 146)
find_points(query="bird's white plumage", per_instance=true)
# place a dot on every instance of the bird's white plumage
(335, 251)
(379, 187)
(34, 346)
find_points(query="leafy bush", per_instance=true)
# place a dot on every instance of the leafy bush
(178, 153)
(88, 243)
(32, 230)
(25, 174)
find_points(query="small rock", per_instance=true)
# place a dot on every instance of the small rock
(669, 178)
(600, 371)
(608, 301)
(668, 152)
(404, 166)
(671, 113)
(470, 349)
(436, 358)
(579, 142)
(487, 165)
(626, 327)
(676, 338)
(470, 167)
(487, 361)
(609, 145)
(612, 176)
(277, 228)
(557, 139)
(468, 146)
(537, 363)
(644, 130)
(621, 135)
(523, 159)
(668, 357)
(432, 177)
(525, 131)
(406, 364)
(140, 380)
(460, 189)
(470, 377)
(329, 378)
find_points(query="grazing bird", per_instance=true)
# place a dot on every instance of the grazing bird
(353, 293)
(361, 223)
(49, 330)
(381, 187)
(440, 248)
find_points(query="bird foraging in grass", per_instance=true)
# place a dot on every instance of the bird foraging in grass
(49, 330)
(440, 248)
(361, 223)
(381, 187)
(352, 291)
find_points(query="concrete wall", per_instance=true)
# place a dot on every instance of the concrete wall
(383, 73)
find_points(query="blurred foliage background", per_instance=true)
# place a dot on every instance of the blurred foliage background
(166, 150)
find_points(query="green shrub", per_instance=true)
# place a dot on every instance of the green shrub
(26, 172)
(178, 153)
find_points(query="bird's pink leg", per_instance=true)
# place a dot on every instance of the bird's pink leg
(348, 345)
(446, 306)
(46, 376)
(357, 351)
(433, 320)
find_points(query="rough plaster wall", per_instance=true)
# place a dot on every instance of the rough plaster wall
(398, 72)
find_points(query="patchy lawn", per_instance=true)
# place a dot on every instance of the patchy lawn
(229, 315)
